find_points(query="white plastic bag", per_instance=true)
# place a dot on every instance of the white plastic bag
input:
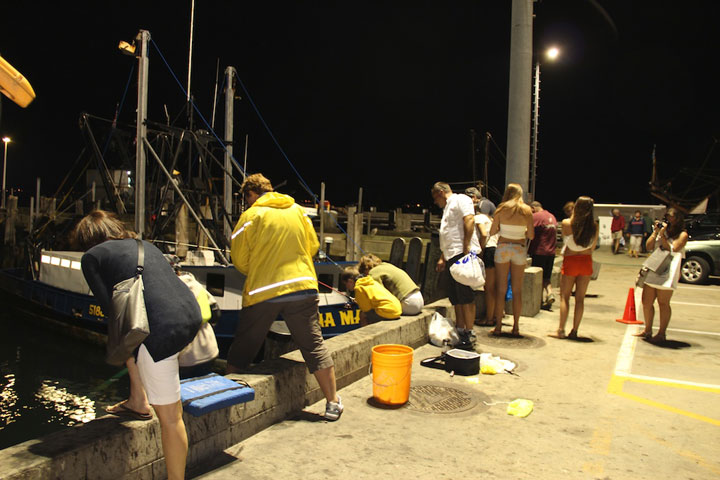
(469, 270)
(442, 331)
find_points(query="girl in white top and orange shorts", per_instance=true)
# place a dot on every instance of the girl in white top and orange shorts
(580, 234)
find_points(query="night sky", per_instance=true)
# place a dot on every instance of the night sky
(384, 97)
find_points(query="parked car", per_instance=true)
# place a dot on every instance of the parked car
(702, 259)
(700, 225)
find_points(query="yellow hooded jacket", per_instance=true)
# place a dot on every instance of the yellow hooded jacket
(372, 295)
(273, 244)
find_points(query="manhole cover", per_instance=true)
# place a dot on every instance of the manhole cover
(508, 341)
(439, 399)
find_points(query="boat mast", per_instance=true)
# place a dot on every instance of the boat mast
(143, 66)
(188, 106)
(229, 113)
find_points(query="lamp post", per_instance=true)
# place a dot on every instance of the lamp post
(5, 140)
(551, 54)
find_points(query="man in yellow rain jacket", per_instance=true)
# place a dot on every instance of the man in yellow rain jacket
(273, 244)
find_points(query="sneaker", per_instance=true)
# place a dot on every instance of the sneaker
(467, 341)
(333, 410)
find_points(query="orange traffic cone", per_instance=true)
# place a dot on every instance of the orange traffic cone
(629, 315)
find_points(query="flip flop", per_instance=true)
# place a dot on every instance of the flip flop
(122, 410)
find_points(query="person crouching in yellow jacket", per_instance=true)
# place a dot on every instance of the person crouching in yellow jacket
(375, 301)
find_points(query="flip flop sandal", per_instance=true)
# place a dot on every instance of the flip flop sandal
(122, 410)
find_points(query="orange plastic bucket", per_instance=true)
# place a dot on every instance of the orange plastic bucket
(391, 368)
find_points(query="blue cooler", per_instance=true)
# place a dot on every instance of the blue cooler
(201, 395)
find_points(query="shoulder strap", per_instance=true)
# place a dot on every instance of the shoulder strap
(141, 256)
(434, 362)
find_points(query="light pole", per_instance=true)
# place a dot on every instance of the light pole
(551, 54)
(5, 140)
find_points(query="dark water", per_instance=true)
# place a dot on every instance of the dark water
(49, 382)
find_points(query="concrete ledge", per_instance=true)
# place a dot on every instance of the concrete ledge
(111, 448)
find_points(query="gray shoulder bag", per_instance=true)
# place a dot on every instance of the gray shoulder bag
(128, 323)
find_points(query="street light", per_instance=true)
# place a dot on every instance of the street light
(551, 54)
(5, 140)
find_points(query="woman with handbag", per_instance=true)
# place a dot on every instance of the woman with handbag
(669, 236)
(113, 255)
(580, 235)
(513, 221)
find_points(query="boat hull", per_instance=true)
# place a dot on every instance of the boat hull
(82, 316)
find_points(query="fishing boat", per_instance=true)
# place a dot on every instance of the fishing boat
(53, 285)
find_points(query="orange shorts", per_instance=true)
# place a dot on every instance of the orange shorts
(576, 265)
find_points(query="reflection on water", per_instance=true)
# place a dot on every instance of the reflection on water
(49, 382)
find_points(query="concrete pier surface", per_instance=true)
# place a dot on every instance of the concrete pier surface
(610, 407)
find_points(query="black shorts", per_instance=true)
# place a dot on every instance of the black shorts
(546, 262)
(458, 293)
(489, 257)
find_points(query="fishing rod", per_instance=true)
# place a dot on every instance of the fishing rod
(344, 294)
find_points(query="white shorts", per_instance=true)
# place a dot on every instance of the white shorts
(635, 242)
(413, 303)
(160, 379)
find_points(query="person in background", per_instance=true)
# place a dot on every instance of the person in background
(542, 248)
(488, 244)
(670, 236)
(474, 195)
(457, 238)
(395, 280)
(647, 232)
(568, 208)
(580, 233)
(514, 222)
(616, 229)
(636, 230)
(375, 301)
(485, 205)
(274, 243)
(174, 317)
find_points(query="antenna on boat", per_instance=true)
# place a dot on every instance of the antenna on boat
(141, 136)
(247, 141)
(190, 51)
(229, 116)
(217, 73)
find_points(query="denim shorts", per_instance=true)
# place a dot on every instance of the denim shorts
(511, 252)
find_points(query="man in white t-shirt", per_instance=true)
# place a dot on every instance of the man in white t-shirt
(457, 238)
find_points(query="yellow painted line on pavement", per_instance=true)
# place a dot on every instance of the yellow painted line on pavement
(713, 466)
(616, 387)
(623, 373)
(702, 387)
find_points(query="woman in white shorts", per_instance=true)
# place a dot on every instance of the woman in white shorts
(174, 317)
(672, 237)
